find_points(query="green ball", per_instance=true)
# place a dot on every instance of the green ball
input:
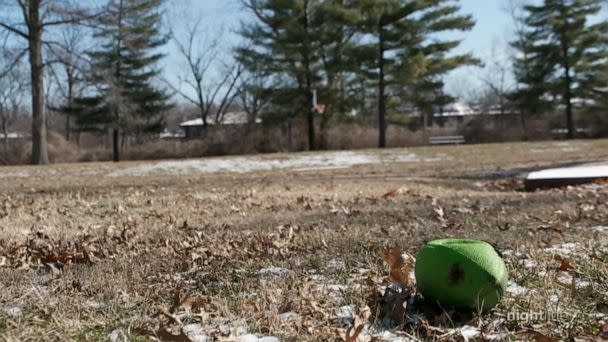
(461, 274)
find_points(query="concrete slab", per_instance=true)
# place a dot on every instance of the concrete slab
(560, 177)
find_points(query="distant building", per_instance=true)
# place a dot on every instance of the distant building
(231, 120)
(13, 136)
(458, 113)
(172, 134)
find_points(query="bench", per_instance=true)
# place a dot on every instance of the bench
(447, 140)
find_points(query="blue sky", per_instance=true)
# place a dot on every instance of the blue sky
(490, 34)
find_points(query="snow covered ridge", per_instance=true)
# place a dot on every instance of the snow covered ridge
(299, 162)
(583, 171)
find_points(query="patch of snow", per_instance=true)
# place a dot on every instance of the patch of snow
(335, 263)
(507, 252)
(528, 263)
(566, 248)
(363, 270)
(254, 338)
(566, 279)
(14, 311)
(117, 335)
(516, 289)
(21, 174)
(248, 338)
(345, 313)
(241, 330)
(600, 229)
(269, 339)
(196, 333)
(585, 171)
(334, 292)
(274, 271)
(342, 159)
(469, 332)
(321, 168)
(94, 304)
(554, 298)
(317, 277)
(288, 317)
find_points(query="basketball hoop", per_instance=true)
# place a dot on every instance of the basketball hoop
(319, 108)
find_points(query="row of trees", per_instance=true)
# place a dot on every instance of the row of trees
(108, 86)
(561, 56)
(388, 54)
(362, 56)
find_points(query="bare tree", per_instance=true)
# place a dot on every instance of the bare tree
(254, 94)
(496, 77)
(211, 94)
(12, 86)
(514, 8)
(28, 20)
(67, 70)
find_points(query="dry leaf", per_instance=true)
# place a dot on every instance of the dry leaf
(165, 336)
(536, 336)
(440, 213)
(400, 264)
(390, 194)
(361, 319)
(564, 264)
(355, 333)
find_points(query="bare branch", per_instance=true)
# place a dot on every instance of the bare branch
(15, 31)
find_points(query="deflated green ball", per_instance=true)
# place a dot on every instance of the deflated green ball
(463, 274)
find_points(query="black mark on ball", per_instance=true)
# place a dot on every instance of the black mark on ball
(456, 274)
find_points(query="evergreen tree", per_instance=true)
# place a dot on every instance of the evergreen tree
(124, 98)
(562, 54)
(338, 20)
(406, 57)
(530, 72)
(284, 41)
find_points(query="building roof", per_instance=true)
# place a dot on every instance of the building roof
(230, 118)
(462, 109)
(13, 135)
(168, 134)
(456, 109)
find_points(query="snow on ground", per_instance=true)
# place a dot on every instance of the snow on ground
(14, 174)
(301, 162)
(566, 147)
(583, 171)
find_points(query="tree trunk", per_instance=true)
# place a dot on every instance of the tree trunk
(425, 125)
(67, 127)
(5, 131)
(381, 97)
(568, 100)
(524, 129)
(39, 143)
(567, 82)
(311, 122)
(115, 145)
(309, 96)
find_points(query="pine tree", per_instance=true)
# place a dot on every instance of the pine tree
(529, 71)
(284, 41)
(338, 22)
(562, 54)
(406, 58)
(124, 98)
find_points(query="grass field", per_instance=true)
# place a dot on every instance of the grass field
(288, 246)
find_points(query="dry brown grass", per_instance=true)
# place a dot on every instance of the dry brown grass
(85, 254)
